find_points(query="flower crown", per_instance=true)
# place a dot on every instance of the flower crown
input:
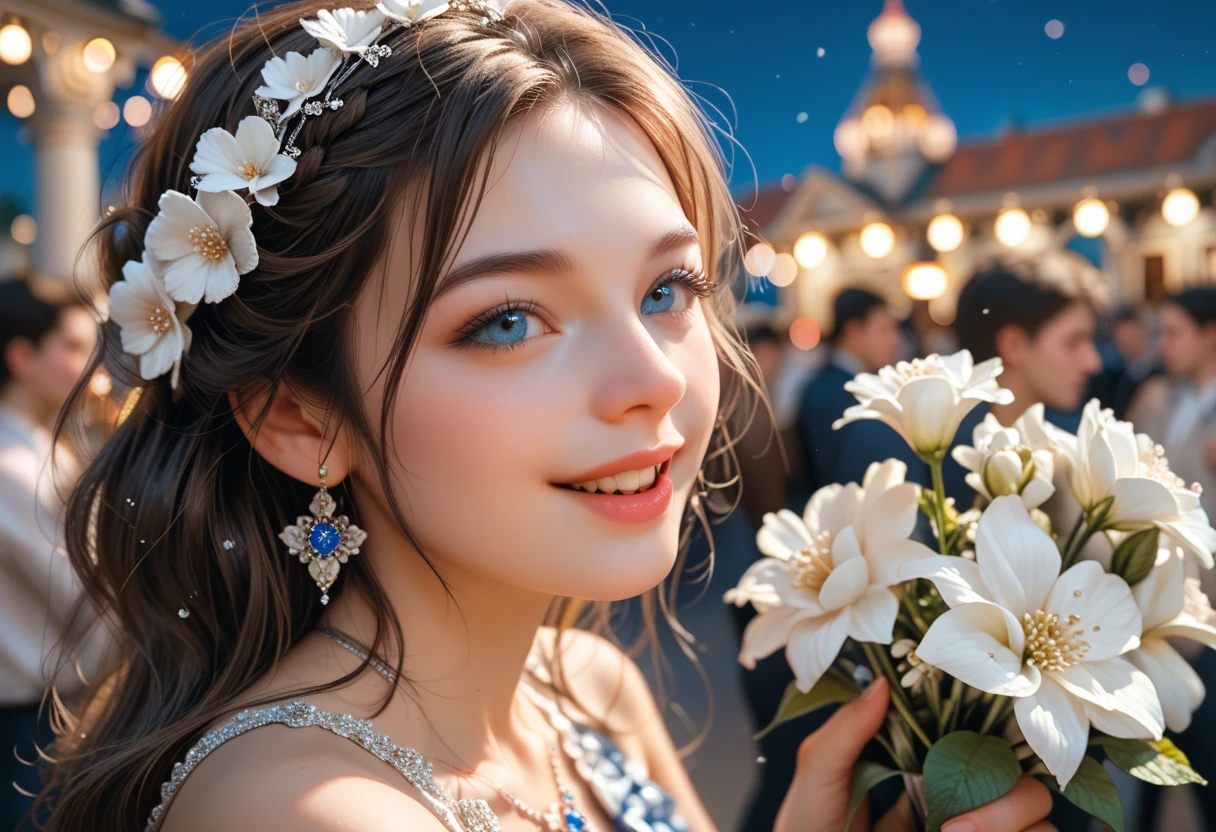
(195, 250)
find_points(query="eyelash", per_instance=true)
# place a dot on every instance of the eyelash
(697, 283)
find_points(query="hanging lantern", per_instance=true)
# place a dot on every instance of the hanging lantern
(1012, 227)
(811, 249)
(926, 280)
(877, 240)
(945, 232)
(1180, 206)
(1091, 217)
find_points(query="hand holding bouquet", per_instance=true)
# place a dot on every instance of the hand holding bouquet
(1036, 639)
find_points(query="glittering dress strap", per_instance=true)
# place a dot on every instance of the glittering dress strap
(456, 815)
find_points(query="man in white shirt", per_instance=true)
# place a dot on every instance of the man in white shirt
(44, 349)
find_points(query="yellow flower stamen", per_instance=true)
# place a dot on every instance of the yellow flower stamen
(160, 321)
(1050, 645)
(250, 170)
(208, 242)
(812, 564)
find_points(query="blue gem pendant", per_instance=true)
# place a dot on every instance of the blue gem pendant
(323, 541)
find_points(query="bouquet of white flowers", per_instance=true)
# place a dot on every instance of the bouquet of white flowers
(1036, 639)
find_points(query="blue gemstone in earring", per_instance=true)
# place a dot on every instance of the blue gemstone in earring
(324, 538)
(575, 820)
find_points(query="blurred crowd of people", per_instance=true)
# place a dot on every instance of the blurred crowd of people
(1048, 321)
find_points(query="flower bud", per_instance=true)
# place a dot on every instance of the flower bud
(1004, 472)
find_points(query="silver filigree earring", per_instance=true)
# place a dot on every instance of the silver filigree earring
(323, 541)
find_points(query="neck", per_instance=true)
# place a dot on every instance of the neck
(1023, 397)
(464, 651)
(1205, 373)
(18, 398)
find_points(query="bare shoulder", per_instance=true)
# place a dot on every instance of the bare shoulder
(606, 683)
(303, 779)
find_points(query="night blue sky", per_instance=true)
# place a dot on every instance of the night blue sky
(989, 61)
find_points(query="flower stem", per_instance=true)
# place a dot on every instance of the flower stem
(998, 705)
(939, 491)
(954, 706)
(879, 664)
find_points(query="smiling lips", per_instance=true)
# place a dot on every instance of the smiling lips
(637, 495)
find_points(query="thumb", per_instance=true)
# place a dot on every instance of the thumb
(829, 754)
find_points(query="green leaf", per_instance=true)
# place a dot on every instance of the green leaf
(965, 770)
(1091, 790)
(833, 688)
(1160, 763)
(866, 776)
(1135, 556)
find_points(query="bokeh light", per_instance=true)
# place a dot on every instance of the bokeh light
(784, 271)
(1091, 217)
(877, 240)
(1012, 227)
(945, 232)
(24, 229)
(168, 77)
(106, 116)
(924, 281)
(101, 384)
(759, 259)
(137, 111)
(1138, 74)
(1180, 206)
(1054, 29)
(21, 101)
(804, 333)
(811, 249)
(15, 44)
(98, 55)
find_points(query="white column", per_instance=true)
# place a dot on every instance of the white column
(68, 187)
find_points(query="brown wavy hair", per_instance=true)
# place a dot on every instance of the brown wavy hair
(148, 522)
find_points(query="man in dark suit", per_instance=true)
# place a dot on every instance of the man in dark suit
(865, 338)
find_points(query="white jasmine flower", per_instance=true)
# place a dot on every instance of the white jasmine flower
(1172, 605)
(250, 159)
(1110, 460)
(347, 30)
(914, 671)
(205, 245)
(141, 306)
(828, 575)
(1017, 627)
(412, 11)
(294, 78)
(1001, 462)
(925, 399)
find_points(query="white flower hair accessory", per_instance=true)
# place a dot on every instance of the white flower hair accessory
(196, 250)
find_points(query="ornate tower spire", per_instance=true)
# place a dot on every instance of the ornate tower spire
(894, 127)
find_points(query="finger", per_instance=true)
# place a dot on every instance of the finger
(1042, 826)
(829, 754)
(1026, 804)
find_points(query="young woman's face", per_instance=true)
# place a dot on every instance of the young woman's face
(565, 346)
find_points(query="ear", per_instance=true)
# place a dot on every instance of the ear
(291, 436)
(1012, 345)
(17, 355)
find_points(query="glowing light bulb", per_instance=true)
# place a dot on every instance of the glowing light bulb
(15, 44)
(759, 259)
(945, 232)
(1012, 227)
(1091, 217)
(811, 249)
(168, 77)
(98, 55)
(877, 240)
(1180, 207)
(925, 281)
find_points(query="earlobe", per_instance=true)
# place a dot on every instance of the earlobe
(287, 434)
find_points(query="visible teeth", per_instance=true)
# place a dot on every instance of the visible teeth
(647, 477)
(628, 482)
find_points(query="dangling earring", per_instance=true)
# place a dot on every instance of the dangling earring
(323, 541)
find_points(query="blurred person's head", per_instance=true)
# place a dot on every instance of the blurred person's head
(767, 346)
(865, 328)
(1039, 319)
(1129, 333)
(45, 345)
(1188, 332)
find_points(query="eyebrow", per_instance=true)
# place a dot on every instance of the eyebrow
(549, 261)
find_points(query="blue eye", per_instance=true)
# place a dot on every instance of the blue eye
(504, 330)
(660, 299)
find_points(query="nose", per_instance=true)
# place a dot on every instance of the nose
(633, 375)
